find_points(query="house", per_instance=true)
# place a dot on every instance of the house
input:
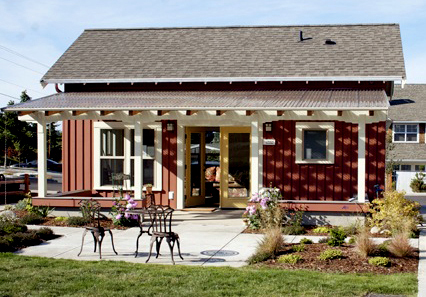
(210, 115)
(407, 127)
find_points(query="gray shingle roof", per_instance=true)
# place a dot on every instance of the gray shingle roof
(196, 100)
(409, 151)
(232, 52)
(409, 103)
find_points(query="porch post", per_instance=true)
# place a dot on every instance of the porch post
(361, 159)
(180, 195)
(254, 166)
(138, 160)
(41, 155)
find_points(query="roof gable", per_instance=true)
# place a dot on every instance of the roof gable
(232, 52)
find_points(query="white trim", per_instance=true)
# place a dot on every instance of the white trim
(405, 133)
(329, 127)
(221, 79)
(254, 164)
(138, 188)
(41, 156)
(361, 159)
(180, 195)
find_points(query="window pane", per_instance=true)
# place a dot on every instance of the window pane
(411, 137)
(112, 142)
(396, 167)
(148, 142)
(195, 164)
(148, 172)
(108, 169)
(239, 165)
(398, 137)
(314, 144)
(399, 128)
(412, 128)
(406, 167)
(420, 167)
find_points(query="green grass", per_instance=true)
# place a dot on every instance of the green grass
(31, 276)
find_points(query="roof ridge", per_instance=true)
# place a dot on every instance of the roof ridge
(243, 27)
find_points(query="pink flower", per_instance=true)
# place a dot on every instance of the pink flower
(264, 203)
(127, 215)
(127, 196)
(129, 205)
(135, 217)
(119, 216)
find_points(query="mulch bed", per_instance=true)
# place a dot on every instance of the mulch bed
(352, 262)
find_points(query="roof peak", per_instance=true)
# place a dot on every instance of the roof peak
(242, 27)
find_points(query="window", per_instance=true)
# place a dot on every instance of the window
(405, 132)
(115, 153)
(405, 167)
(314, 143)
(420, 167)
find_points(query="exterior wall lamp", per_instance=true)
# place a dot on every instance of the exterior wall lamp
(268, 127)
(170, 127)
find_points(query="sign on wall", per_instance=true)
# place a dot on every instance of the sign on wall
(268, 141)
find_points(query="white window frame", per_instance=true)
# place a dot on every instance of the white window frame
(405, 133)
(301, 127)
(98, 126)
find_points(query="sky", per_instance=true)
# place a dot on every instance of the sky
(34, 34)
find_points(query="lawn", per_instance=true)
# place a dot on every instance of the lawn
(31, 276)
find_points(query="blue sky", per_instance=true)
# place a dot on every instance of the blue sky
(42, 30)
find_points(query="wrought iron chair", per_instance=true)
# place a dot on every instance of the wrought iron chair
(91, 209)
(150, 201)
(161, 224)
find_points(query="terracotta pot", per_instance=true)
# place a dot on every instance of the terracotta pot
(149, 190)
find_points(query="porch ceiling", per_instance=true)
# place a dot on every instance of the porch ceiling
(209, 100)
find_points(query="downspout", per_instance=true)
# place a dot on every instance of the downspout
(57, 89)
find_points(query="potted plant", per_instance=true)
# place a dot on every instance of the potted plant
(148, 188)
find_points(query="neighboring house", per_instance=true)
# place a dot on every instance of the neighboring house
(210, 115)
(407, 120)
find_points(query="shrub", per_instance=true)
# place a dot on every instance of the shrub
(352, 229)
(45, 233)
(324, 240)
(330, 254)
(418, 183)
(32, 219)
(9, 227)
(394, 212)
(271, 243)
(290, 259)
(364, 245)
(22, 204)
(21, 239)
(321, 230)
(351, 240)
(380, 261)
(400, 246)
(77, 221)
(298, 248)
(337, 237)
(5, 245)
(306, 241)
(293, 230)
(61, 219)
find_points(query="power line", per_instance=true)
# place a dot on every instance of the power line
(8, 82)
(10, 96)
(22, 66)
(22, 56)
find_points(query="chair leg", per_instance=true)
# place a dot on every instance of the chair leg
(150, 248)
(137, 244)
(82, 242)
(178, 246)
(95, 241)
(158, 242)
(112, 242)
(100, 244)
(169, 239)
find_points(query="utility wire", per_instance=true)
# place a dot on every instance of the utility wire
(21, 55)
(8, 82)
(9, 96)
(22, 66)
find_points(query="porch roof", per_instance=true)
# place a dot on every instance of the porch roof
(210, 100)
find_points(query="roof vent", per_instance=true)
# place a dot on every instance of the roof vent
(301, 38)
(329, 41)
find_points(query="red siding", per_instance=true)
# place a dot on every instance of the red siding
(338, 181)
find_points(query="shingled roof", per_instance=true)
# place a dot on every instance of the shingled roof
(245, 53)
(409, 103)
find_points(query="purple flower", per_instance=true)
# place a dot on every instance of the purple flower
(251, 209)
(127, 215)
(127, 197)
(119, 216)
(131, 200)
(129, 205)
(264, 203)
(135, 217)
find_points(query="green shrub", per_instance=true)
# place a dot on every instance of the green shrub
(418, 183)
(382, 248)
(45, 233)
(77, 221)
(351, 240)
(5, 245)
(321, 230)
(352, 229)
(271, 243)
(306, 241)
(380, 261)
(32, 219)
(324, 240)
(259, 257)
(61, 219)
(337, 237)
(21, 239)
(298, 248)
(9, 227)
(290, 259)
(330, 254)
(293, 230)
(22, 204)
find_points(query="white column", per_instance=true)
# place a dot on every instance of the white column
(180, 195)
(260, 159)
(41, 156)
(138, 160)
(361, 159)
(127, 161)
(254, 165)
